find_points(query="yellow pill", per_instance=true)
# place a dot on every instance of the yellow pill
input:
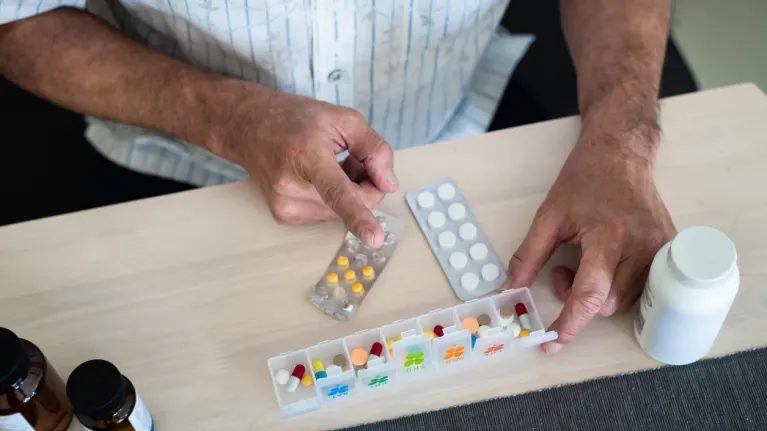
(306, 380)
(349, 275)
(430, 333)
(368, 272)
(342, 262)
(318, 365)
(332, 278)
(358, 288)
(389, 343)
(524, 333)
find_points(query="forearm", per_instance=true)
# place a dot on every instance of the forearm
(80, 62)
(617, 48)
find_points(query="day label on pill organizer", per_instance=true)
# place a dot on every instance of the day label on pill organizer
(453, 233)
(354, 269)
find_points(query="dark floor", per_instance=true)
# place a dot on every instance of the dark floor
(50, 169)
(729, 393)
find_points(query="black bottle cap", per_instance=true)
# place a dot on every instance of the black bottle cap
(96, 389)
(13, 361)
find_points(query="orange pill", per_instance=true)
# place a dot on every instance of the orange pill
(368, 272)
(470, 324)
(349, 275)
(332, 278)
(307, 380)
(342, 262)
(357, 288)
(359, 357)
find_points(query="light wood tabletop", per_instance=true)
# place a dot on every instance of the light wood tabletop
(189, 294)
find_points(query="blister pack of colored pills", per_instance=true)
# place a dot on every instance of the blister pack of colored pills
(436, 342)
(452, 231)
(353, 271)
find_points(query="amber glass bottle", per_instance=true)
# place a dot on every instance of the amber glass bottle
(32, 395)
(105, 400)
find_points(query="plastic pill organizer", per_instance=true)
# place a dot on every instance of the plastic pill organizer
(453, 233)
(436, 342)
(353, 270)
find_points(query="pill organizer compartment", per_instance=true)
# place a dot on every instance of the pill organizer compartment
(538, 334)
(495, 340)
(378, 375)
(304, 398)
(454, 347)
(334, 386)
(412, 354)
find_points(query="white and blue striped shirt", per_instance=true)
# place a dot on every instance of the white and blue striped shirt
(419, 70)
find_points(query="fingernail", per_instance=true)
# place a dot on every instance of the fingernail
(369, 237)
(391, 178)
(552, 347)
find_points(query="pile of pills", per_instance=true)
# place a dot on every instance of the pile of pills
(456, 240)
(353, 270)
(339, 365)
(365, 358)
(291, 379)
(509, 314)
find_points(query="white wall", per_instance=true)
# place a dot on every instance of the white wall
(723, 41)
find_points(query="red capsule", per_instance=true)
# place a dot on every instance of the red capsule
(376, 349)
(520, 309)
(299, 371)
(439, 331)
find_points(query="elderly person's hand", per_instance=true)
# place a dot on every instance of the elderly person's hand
(289, 143)
(604, 200)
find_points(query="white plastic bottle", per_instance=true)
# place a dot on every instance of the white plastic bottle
(692, 283)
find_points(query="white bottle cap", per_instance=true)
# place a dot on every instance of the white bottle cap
(702, 254)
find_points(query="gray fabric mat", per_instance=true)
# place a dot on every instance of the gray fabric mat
(727, 393)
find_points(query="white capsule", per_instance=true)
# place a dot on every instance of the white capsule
(293, 384)
(446, 192)
(436, 219)
(478, 251)
(467, 231)
(524, 319)
(425, 199)
(514, 329)
(373, 360)
(458, 260)
(446, 239)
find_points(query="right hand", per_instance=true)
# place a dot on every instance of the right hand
(288, 144)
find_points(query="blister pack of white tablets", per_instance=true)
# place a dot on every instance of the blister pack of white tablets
(353, 271)
(462, 249)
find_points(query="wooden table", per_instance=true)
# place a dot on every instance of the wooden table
(189, 294)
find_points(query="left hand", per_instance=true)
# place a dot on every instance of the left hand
(604, 200)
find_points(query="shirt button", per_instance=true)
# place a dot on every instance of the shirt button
(335, 75)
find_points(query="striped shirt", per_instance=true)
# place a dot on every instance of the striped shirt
(420, 71)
